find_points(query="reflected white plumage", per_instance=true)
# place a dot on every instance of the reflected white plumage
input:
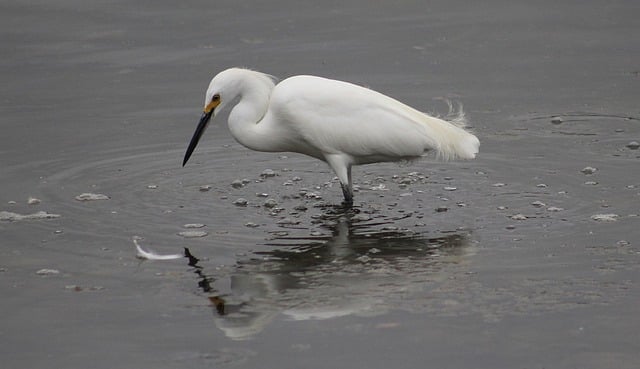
(337, 122)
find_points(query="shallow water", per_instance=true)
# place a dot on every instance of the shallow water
(497, 262)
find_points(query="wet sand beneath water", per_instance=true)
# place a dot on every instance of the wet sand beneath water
(524, 258)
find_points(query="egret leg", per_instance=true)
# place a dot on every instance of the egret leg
(348, 194)
(342, 166)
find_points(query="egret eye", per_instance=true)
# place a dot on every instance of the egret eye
(216, 97)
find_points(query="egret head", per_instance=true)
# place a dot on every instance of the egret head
(224, 88)
(213, 103)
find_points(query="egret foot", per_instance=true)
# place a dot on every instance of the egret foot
(348, 195)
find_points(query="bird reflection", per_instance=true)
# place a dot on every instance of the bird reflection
(363, 268)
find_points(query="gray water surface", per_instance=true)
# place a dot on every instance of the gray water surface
(518, 259)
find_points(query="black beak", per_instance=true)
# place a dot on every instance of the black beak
(204, 120)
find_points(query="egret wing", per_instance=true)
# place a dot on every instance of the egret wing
(338, 117)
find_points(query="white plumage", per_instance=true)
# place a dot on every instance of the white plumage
(338, 122)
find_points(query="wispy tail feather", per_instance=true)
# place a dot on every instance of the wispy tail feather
(455, 140)
(456, 115)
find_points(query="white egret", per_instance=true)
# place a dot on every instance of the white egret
(337, 122)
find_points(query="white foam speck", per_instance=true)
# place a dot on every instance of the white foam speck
(47, 272)
(589, 170)
(605, 217)
(519, 217)
(9, 216)
(194, 225)
(192, 234)
(91, 197)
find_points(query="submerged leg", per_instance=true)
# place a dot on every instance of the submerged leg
(342, 166)
(348, 194)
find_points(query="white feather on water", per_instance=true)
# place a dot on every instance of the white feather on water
(150, 255)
